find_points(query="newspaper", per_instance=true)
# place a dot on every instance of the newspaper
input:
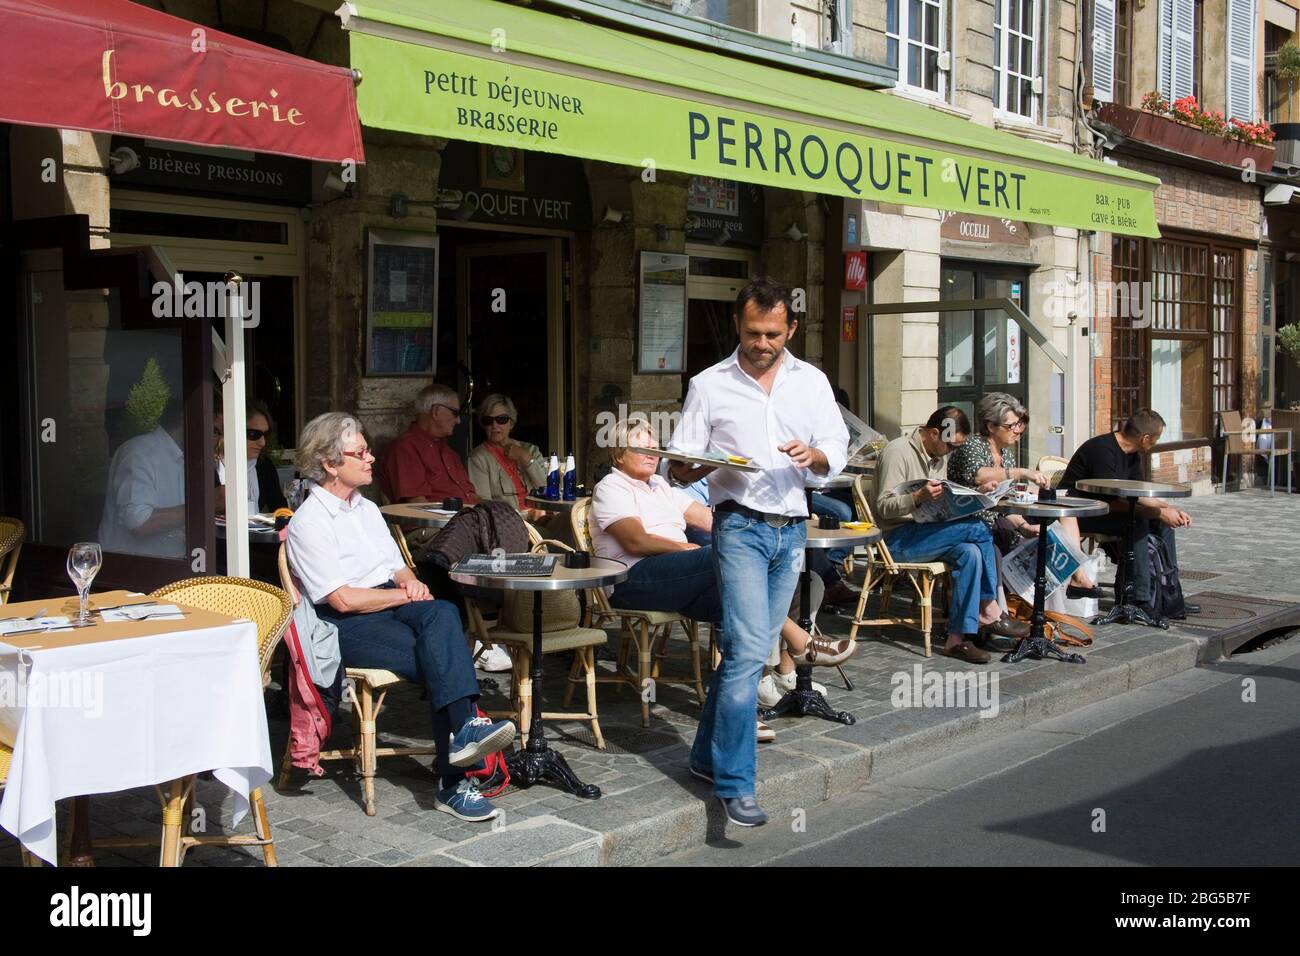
(958, 501)
(860, 433)
(1020, 566)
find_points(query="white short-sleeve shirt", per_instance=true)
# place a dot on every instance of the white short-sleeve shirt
(661, 508)
(333, 543)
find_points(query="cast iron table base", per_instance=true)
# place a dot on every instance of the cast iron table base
(1037, 645)
(538, 763)
(1127, 610)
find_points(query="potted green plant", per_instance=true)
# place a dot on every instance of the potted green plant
(1288, 338)
(1286, 67)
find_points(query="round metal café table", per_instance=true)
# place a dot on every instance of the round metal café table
(1127, 609)
(803, 701)
(416, 514)
(537, 763)
(1044, 513)
(558, 505)
(860, 467)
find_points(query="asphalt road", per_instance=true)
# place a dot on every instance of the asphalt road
(1184, 772)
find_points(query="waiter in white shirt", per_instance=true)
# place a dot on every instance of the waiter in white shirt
(764, 404)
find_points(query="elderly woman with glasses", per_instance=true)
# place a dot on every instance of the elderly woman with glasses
(350, 568)
(990, 457)
(504, 468)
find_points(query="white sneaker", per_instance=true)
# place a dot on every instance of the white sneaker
(774, 686)
(493, 661)
(765, 734)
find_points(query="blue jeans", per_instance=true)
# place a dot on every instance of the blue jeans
(826, 562)
(681, 581)
(422, 642)
(756, 569)
(967, 546)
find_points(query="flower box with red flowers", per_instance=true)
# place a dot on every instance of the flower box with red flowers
(1183, 127)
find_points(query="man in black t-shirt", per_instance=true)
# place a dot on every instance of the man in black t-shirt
(1119, 455)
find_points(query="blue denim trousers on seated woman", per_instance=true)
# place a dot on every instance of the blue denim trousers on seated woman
(826, 562)
(967, 546)
(681, 581)
(757, 568)
(422, 642)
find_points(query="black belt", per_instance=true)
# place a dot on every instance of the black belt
(776, 521)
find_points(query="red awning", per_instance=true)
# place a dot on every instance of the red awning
(113, 66)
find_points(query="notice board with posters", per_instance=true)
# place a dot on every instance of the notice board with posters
(401, 303)
(661, 313)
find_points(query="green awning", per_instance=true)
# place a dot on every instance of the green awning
(486, 71)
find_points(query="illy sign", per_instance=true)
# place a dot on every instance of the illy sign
(855, 271)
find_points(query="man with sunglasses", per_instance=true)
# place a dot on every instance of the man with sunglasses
(964, 545)
(420, 464)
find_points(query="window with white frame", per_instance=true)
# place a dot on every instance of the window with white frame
(1176, 49)
(1017, 69)
(916, 41)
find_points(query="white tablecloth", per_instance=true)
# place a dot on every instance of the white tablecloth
(98, 718)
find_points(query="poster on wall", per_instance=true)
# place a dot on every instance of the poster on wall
(402, 303)
(661, 319)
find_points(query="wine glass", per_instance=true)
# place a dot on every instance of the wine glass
(84, 559)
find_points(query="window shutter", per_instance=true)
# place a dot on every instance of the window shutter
(1241, 60)
(1183, 61)
(1165, 56)
(1103, 50)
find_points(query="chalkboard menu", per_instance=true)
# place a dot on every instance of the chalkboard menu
(402, 303)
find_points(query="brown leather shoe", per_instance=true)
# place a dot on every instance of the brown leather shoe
(841, 593)
(968, 652)
(1007, 627)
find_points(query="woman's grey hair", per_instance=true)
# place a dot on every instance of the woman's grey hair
(993, 408)
(492, 401)
(322, 442)
(432, 395)
(624, 432)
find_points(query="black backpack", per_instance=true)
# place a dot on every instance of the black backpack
(1166, 590)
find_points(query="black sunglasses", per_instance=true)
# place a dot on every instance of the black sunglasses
(456, 412)
(257, 434)
(487, 420)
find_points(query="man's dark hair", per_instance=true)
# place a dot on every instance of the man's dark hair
(953, 414)
(1144, 421)
(767, 294)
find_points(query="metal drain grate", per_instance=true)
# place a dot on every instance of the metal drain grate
(1198, 575)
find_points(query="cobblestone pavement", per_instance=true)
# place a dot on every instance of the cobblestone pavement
(649, 799)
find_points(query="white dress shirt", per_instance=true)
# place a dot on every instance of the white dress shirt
(147, 472)
(661, 508)
(254, 491)
(727, 412)
(334, 543)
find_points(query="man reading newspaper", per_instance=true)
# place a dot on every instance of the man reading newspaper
(964, 544)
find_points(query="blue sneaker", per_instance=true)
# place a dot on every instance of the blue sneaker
(743, 811)
(464, 802)
(478, 738)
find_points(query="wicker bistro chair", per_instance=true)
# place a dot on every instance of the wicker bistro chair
(1053, 466)
(6, 755)
(643, 627)
(882, 569)
(269, 608)
(12, 533)
(581, 640)
(370, 686)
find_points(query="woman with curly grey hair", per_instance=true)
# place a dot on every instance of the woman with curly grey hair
(990, 457)
(350, 568)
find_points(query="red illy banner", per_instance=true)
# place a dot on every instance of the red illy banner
(113, 66)
(855, 271)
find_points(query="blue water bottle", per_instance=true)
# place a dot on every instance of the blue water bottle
(570, 479)
(553, 479)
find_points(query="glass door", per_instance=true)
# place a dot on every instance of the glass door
(981, 351)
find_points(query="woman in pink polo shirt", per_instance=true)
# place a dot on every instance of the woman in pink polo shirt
(639, 519)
